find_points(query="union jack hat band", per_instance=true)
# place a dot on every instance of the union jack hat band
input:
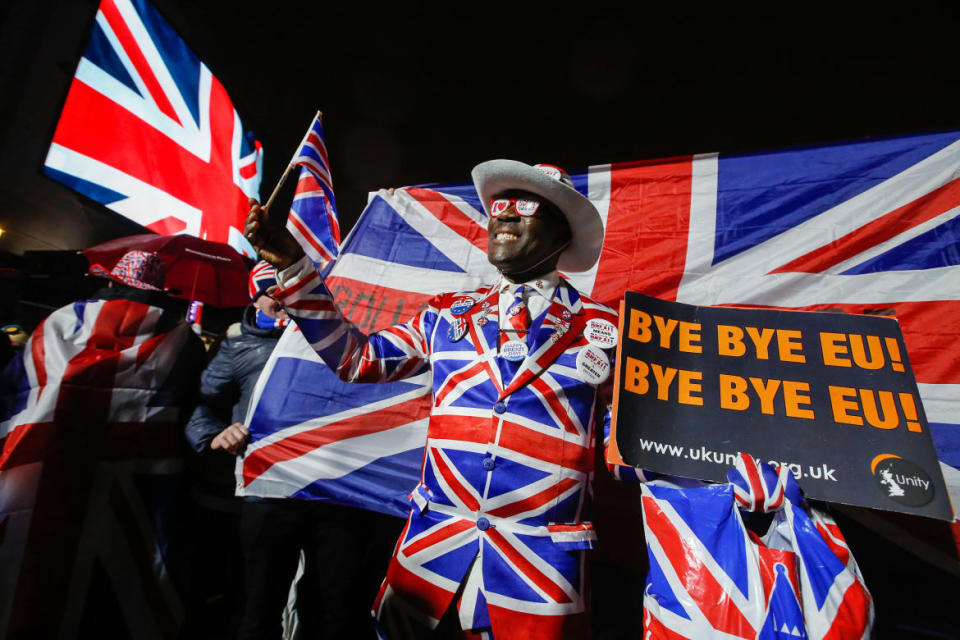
(138, 269)
(551, 183)
(262, 277)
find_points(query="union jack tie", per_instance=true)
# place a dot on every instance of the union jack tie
(518, 314)
(517, 325)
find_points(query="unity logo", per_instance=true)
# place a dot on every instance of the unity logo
(902, 480)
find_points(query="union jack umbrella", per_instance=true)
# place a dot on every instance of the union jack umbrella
(150, 132)
(210, 272)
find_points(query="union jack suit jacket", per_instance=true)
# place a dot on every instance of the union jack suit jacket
(504, 498)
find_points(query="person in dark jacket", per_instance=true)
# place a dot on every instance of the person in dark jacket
(216, 432)
(228, 381)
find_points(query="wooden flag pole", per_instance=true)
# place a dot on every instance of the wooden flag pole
(290, 165)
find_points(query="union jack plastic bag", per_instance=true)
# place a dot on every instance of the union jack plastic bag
(712, 577)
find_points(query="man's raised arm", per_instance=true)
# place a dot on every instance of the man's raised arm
(391, 354)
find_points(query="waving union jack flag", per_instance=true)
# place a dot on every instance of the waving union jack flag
(313, 215)
(148, 131)
(865, 227)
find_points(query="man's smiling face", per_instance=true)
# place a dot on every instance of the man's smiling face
(524, 247)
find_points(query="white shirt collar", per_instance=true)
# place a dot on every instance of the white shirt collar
(545, 285)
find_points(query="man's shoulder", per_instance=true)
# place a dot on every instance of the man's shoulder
(446, 300)
(589, 307)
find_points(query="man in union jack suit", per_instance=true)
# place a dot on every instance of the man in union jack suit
(494, 544)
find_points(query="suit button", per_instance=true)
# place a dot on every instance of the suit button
(488, 463)
(482, 523)
(500, 406)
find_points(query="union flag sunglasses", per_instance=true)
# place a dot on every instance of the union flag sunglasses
(523, 206)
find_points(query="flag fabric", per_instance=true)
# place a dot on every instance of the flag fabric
(362, 444)
(866, 227)
(150, 132)
(91, 472)
(313, 214)
(712, 576)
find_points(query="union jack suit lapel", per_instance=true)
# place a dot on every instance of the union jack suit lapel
(484, 326)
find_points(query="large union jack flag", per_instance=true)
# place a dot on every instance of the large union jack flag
(91, 470)
(864, 227)
(148, 131)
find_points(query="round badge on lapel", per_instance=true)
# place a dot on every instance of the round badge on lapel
(458, 329)
(461, 305)
(601, 333)
(593, 365)
(514, 350)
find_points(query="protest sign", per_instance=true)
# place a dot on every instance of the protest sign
(830, 395)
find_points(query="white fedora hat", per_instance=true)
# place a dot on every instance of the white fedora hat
(554, 185)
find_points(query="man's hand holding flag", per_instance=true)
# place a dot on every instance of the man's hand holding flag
(312, 221)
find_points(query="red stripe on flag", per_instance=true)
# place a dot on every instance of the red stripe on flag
(880, 230)
(167, 226)
(645, 246)
(314, 305)
(333, 222)
(311, 280)
(754, 480)
(304, 442)
(830, 535)
(370, 307)
(319, 145)
(39, 354)
(450, 215)
(249, 170)
(307, 235)
(851, 617)
(132, 49)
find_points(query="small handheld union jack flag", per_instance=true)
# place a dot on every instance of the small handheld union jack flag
(313, 214)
